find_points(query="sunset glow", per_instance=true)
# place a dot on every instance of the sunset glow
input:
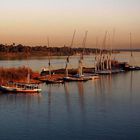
(30, 22)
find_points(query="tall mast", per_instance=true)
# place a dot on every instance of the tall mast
(84, 44)
(108, 53)
(73, 39)
(111, 48)
(131, 44)
(104, 46)
(49, 63)
(68, 57)
(28, 74)
(71, 45)
(96, 58)
(81, 58)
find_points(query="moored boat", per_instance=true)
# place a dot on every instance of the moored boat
(54, 81)
(19, 88)
(72, 79)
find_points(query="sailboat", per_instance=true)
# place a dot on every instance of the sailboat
(16, 87)
(103, 62)
(132, 61)
(50, 79)
(79, 76)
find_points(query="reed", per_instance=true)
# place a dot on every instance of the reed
(14, 74)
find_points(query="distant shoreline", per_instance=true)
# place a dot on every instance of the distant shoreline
(127, 50)
(20, 51)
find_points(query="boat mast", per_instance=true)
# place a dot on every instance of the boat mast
(28, 74)
(132, 59)
(82, 55)
(108, 53)
(49, 63)
(111, 46)
(131, 44)
(68, 57)
(103, 56)
(96, 57)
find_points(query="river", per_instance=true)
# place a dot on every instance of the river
(102, 109)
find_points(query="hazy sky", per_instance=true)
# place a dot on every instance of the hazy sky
(30, 22)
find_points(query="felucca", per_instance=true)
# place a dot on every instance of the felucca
(16, 87)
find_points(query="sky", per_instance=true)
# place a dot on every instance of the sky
(31, 22)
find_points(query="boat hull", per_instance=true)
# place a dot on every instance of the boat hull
(74, 79)
(5, 89)
(54, 81)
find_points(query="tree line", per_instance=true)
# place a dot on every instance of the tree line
(44, 50)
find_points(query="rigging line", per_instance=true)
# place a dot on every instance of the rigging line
(104, 40)
(28, 74)
(131, 44)
(73, 39)
(71, 45)
(113, 39)
(49, 56)
(97, 44)
(49, 51)
(84, 43)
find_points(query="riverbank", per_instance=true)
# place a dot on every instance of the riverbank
(21, 51)
(17, 74)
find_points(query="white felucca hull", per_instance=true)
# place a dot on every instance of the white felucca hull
(6, 89)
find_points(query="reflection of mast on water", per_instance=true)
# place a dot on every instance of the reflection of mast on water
(49, 102)
(105, 90)
(82, 102)
(81, 95)
(131, 85)
(67, 95)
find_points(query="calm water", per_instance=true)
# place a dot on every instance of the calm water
(107, 108)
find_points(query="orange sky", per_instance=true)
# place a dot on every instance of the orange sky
(30, 22)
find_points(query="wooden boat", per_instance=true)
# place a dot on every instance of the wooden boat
(104, 72)
(19, 88)
(133, 68)
(92, 76)
(14, 87)
(74, 79)
(54, 81)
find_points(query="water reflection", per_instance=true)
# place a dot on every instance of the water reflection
(131, 87)
(81, 109)
(67, 97)
(49, 101)
(81, 96)
(27, 99)
(99, 92)
(103, 89)
(131, 82)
